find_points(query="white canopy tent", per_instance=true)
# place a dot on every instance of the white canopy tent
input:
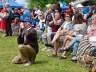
(74, 3)
(79, 6)
(20, 1)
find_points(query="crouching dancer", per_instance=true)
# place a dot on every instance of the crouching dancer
(28, 46)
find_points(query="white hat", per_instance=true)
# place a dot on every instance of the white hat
(37, 12)
(40, 13)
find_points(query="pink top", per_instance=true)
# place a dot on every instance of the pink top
(91, 30)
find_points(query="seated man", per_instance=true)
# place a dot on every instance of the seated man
(28, 46)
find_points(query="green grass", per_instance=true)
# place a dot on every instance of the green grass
(8, 49)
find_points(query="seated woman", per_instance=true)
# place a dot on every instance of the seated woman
(66, 26)
(15, 26)
(88, 42)
(54, 25)
(28, 46)
(79, 29)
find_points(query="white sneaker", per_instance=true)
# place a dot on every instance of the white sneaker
(28, 64)
(74, 58)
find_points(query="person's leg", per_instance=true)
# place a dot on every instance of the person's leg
(67, 40)
(56, 36)
(73, 40)
(65, 49)
(67, 43)
(18, 60)
(50, 37)
(40, 35)
(57, 45)
(75, 48)
(44, 38)
(23, 52)
(10, 31)
(64, 55)
(74, 44)
(6, 31)
(31, 53)
(27, 53)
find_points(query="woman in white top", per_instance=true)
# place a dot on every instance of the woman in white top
(79, 29)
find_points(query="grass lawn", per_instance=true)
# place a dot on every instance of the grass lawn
(8, 49)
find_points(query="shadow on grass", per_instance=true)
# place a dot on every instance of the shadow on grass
(41, 62)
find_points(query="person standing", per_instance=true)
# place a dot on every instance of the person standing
(8, 19)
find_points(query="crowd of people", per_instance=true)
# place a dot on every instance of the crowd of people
(59, 30)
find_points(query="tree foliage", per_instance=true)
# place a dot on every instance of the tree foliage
(42, 3)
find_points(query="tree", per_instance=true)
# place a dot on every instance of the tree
(42, 3)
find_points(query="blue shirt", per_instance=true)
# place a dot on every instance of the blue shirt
(26, 16)
(33, 22)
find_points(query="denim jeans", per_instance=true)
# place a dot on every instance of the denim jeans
(44, 38)
(74, 44)
(40, 33)
(75, 48)
(47, 37)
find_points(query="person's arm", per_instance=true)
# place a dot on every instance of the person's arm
(60, 28)
(71, 33)
(53, 17)
(50, 23)
(20, 38)
(37, 27)
(58, 22)
(55, 21)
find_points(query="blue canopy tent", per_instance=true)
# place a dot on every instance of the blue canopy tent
(1, 5)
(86, 10)
(63, 6)
(15, 4)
